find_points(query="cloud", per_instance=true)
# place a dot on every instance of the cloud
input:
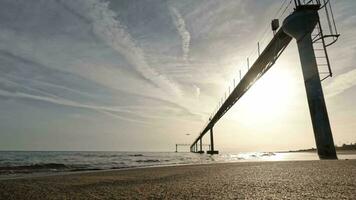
(109, 29)
(29, 79)
(64, 102)
(25, 78)
(182, 30)
(341, 83)
(197, 91)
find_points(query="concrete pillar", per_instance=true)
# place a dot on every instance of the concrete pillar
(212, 139)
(201, 146)
(300, 25)
(212, 151)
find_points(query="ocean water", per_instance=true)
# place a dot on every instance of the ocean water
(25, 163)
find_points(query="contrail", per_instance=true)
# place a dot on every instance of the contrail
(182, 30)
(341, 83)
(109, 29)
(65, 102)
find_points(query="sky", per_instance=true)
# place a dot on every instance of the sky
(144, 75)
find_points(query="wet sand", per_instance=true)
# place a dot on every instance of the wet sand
(254, 180)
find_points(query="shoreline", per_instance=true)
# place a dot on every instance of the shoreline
(39, 174)
(341, 152)
(80, 172)
(64, 173)
(275, 179)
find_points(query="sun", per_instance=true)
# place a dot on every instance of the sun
(269, 98)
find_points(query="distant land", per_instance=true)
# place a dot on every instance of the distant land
(344, 147)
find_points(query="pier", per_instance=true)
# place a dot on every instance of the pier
(305, 27)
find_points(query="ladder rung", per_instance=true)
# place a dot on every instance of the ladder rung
(325, 78)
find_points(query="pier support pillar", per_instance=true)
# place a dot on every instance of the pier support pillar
(212, 151)
(201, 146)
(300, 26)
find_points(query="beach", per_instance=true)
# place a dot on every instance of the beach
(325, 179)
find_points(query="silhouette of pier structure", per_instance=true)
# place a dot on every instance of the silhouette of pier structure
(195, 150)
(304, 25)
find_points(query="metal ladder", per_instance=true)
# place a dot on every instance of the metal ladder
(320, 40)
(321, 53)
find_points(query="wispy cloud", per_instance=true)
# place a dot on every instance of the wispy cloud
(197, 91)
(182, 30)
(341, 83)
(108, 28)
(30, 80)
(64, 102)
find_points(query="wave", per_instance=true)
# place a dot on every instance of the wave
(36, 166)
(33, 168)
(268, 154)
(149, 160)
(136, 155)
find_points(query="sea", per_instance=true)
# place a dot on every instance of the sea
(19, 164)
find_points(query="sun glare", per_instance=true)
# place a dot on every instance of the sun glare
(269, 98)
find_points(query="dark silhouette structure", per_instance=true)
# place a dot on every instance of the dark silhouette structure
(304, 25)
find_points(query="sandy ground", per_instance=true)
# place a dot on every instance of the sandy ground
(258, 180)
